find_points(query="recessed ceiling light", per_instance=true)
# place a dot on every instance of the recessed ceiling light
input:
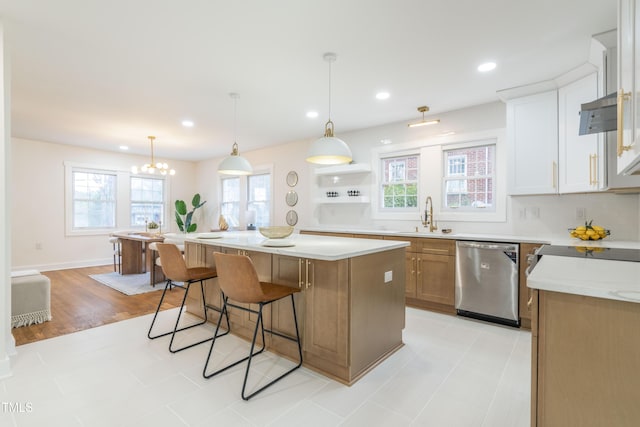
(385, 141)
(382, 95)
(124, 147)
(447, 133)
(187, 123)
(312, 114)
(487, 66)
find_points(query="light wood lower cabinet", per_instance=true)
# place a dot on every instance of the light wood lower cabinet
(350, 318)
(430, 273)
(585, 361)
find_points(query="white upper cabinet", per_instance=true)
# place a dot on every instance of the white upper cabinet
(532, 137)
(628, 148)
(581, 157)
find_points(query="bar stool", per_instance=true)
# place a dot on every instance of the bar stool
(156, 262)
(239, 282)
(176, 271)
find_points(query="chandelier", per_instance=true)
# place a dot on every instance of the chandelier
(152, 167)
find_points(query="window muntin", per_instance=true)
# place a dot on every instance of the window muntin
(259, 197)
(147, 200)
(399, 184)
(469, 181)
(230, 203)
(94, 199)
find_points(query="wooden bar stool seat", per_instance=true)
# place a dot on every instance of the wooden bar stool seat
(179, 275)
(239, 283)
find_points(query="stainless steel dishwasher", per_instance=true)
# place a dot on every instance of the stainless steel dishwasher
(487, 281)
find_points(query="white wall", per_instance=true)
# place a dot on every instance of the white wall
(38, 200)
(618, 212)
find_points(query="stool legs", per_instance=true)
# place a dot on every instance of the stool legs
(175, 330)
(260, 325)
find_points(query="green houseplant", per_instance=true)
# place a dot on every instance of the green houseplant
(184, 218)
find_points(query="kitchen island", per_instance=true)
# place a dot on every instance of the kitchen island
(585, 341)
(350, 308)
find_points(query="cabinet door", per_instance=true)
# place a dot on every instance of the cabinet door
(628, 151)
(327, 310)
(580, 156)
(411, 274)
(436, 278)
(532, 134)
(287, 271)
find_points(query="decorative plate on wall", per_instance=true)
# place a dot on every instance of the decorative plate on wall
(292, 179)
(292, 198)
(292, 218)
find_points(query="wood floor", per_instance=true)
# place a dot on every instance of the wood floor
(78, 302)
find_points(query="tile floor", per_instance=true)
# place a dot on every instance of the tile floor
(451, 372)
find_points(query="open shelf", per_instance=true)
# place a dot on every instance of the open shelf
(343, 169)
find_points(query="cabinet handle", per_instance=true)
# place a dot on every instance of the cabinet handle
(530, 302)
(553, 174)
(307, 273)
(300, 282)
(622, 96)
(419, 260)
(593, 169)
(413, 265)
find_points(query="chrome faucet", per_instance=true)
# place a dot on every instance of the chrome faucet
(428, 216)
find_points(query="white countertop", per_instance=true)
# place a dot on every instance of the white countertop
(618, 280)
(505, 238)
(324, 248)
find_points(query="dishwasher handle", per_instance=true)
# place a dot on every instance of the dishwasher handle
(486, 245)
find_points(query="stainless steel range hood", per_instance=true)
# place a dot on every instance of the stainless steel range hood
(599, 115)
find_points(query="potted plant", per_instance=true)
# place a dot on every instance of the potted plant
(184, 218)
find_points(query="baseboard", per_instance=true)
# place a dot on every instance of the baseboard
(64, 265)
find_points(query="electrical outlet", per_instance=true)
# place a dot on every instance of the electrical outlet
(535, 212)
(581, 214)
(38, 246)
(388, 276)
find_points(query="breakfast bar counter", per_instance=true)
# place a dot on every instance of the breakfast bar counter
(351, 305)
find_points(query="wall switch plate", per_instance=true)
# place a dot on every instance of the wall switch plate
(388, 276)
(581, 214)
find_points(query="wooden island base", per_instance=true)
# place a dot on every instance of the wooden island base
(351, 311)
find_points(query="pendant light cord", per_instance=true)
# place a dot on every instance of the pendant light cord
(330, 61)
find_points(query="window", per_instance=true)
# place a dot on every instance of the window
(469, 181)
(94, 199)
(399, 183)
(147, 200)
(230, 204)
(258, 198)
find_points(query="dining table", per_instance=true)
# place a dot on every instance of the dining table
(136, 256)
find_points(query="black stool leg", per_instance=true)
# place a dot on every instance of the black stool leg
(175, 329)
(295, 319)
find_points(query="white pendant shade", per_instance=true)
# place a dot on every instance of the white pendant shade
(329, 150)
(235, 164)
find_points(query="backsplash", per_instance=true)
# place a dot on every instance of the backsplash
(535, 216)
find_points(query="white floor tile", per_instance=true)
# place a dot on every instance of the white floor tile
(451, 371)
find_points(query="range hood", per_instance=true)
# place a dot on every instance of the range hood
(599, 116)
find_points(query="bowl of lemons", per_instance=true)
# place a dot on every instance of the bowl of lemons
(588, 231)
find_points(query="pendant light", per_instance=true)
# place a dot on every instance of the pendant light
(424, 122)
(235, 164)
(150, 168)
(329, 150)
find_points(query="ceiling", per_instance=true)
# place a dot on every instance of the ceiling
(108, 73)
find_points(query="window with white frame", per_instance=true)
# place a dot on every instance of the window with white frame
(259, 198)
(93, 199)
(230, 201)
(399, 183)
(469, 178)
(147, 200)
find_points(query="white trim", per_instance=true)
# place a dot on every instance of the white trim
(123, 198)
(242, 204)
